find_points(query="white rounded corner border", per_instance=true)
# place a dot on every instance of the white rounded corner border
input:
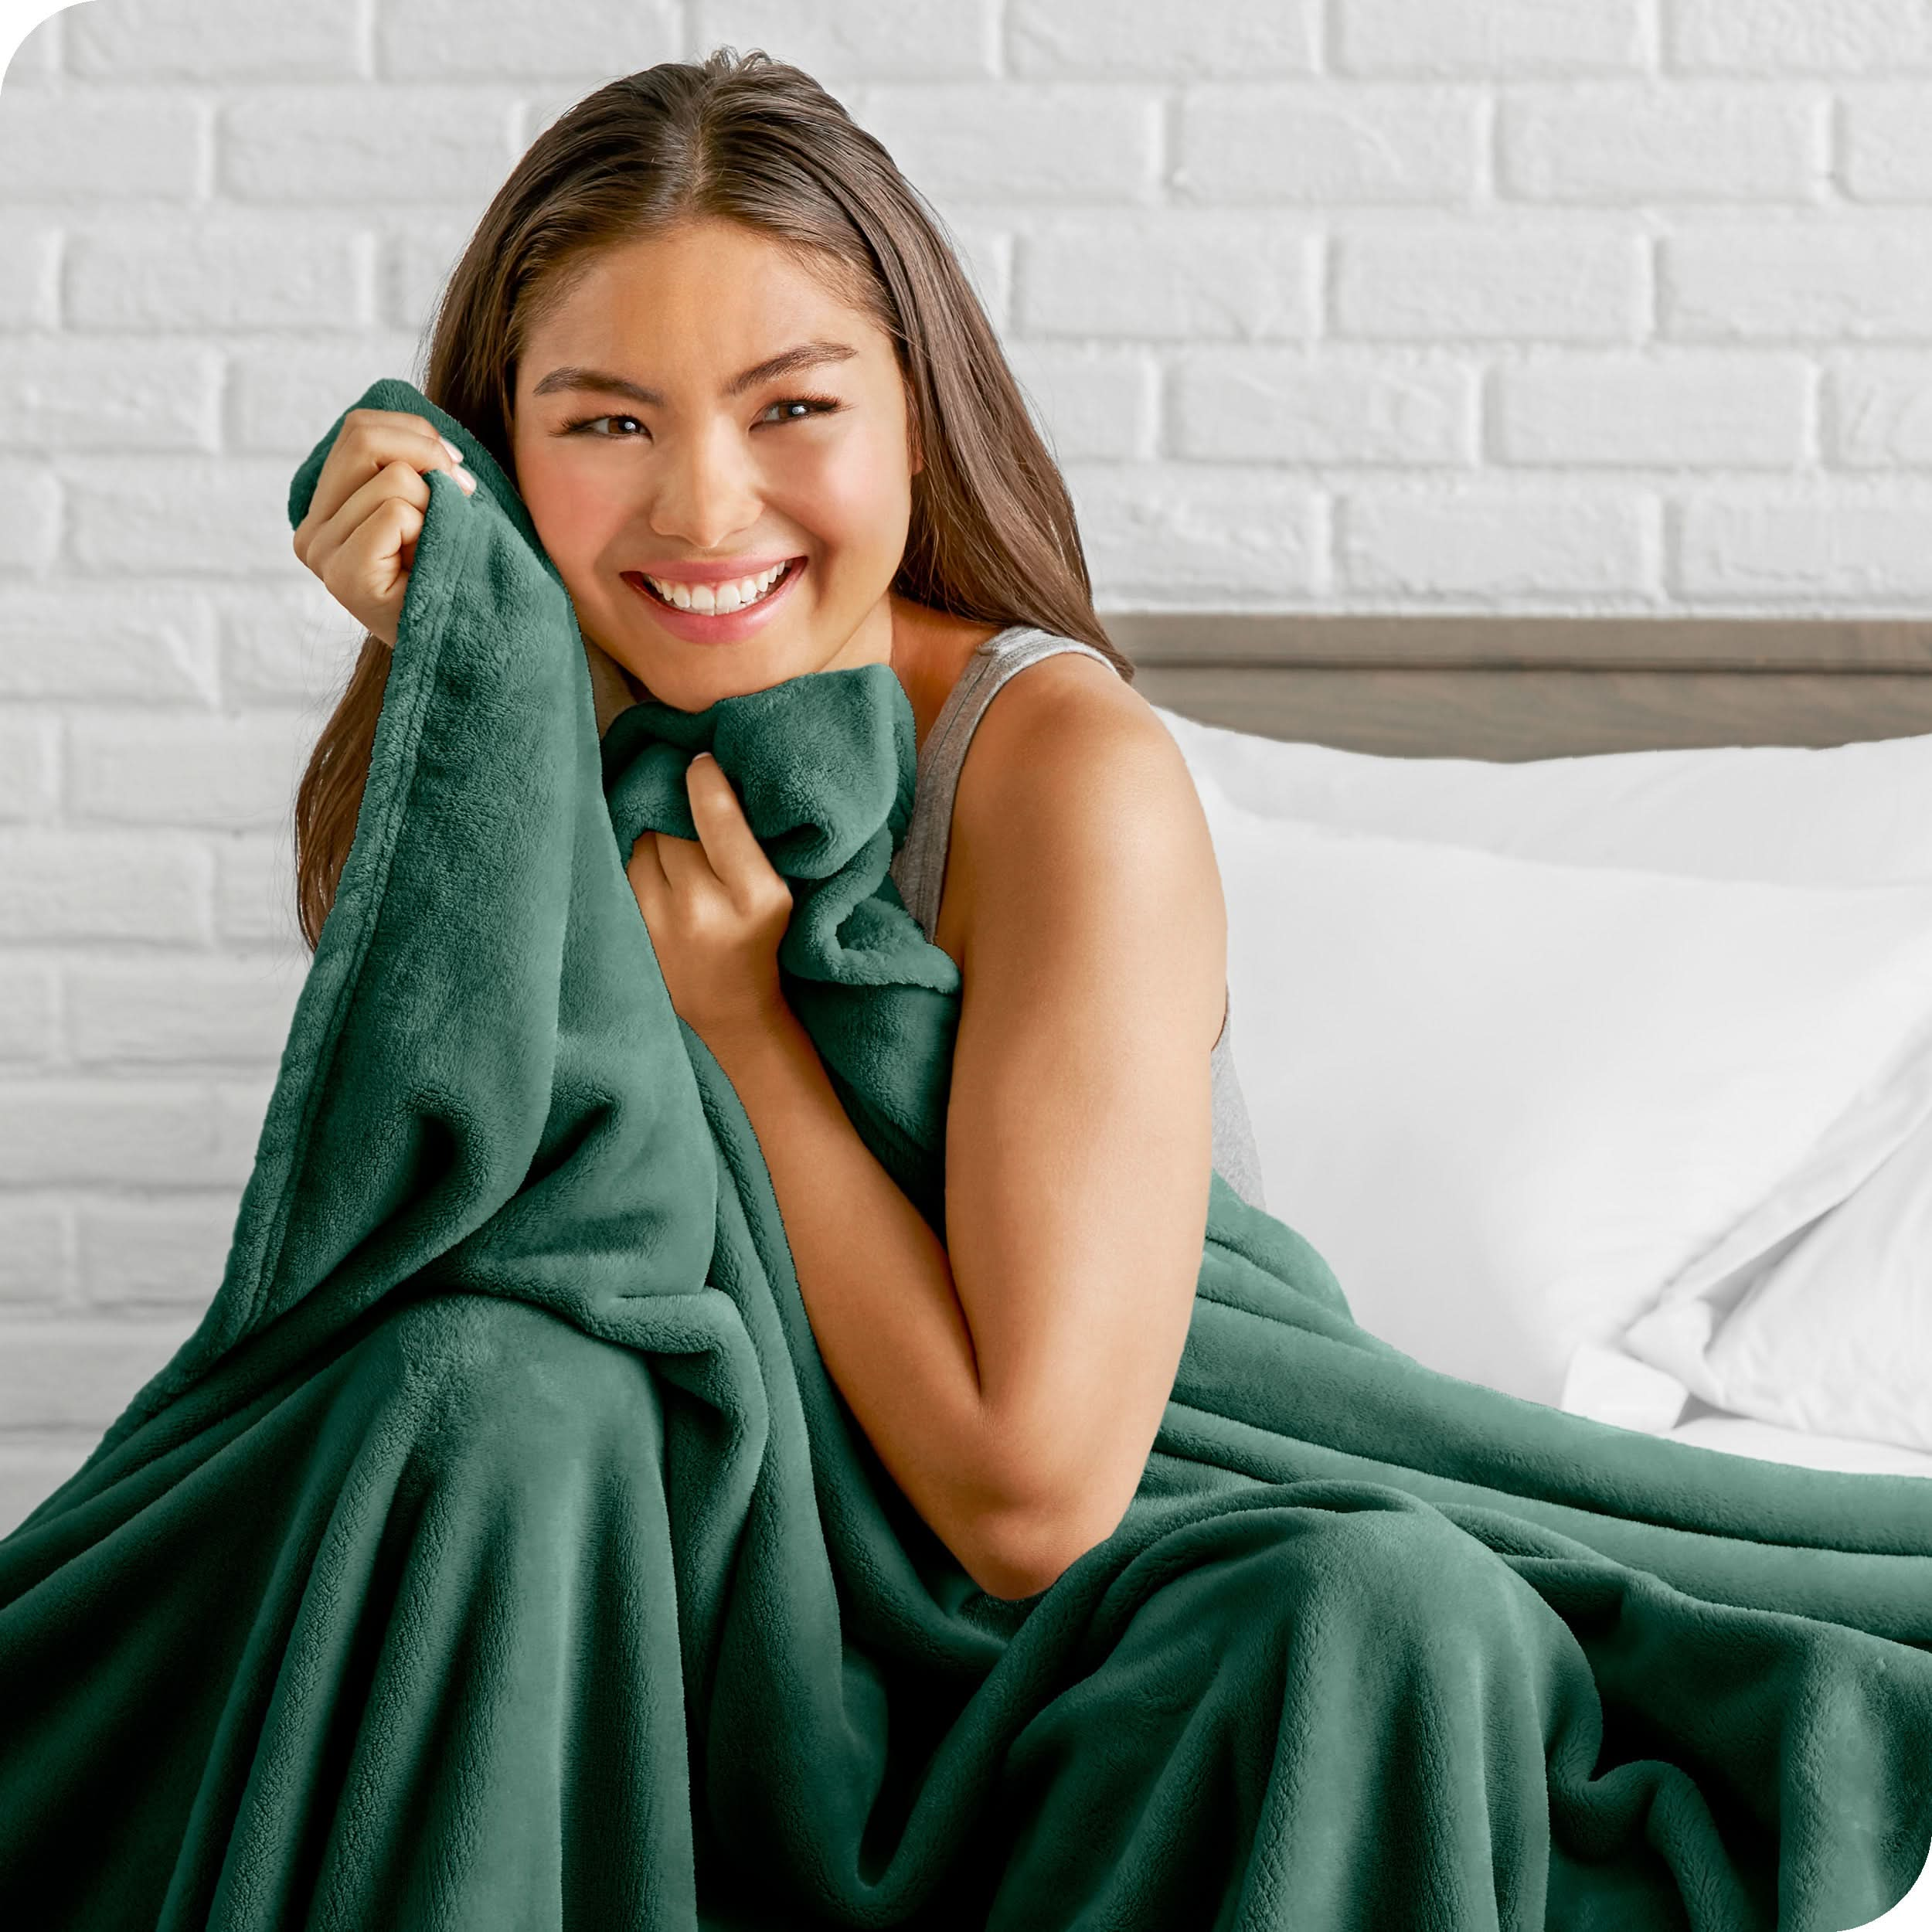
(20, 18)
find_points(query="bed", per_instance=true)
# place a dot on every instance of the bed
(1620, 785)
(1628, 924)
(1579, 1079)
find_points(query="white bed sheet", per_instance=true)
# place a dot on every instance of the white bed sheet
(1741, 1436)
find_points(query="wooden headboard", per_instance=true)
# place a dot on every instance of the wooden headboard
(1534, 687)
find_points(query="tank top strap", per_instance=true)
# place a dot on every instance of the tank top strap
(919, 867)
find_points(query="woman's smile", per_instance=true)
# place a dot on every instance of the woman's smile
(694, 624)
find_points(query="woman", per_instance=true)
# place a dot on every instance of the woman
(811, 384)
(552, 1587)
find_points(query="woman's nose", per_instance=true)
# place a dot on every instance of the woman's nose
(705, 488)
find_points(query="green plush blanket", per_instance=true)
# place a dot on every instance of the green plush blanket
(497, 1555)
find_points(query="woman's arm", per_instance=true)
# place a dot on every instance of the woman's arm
(1013, 1389)
(876, 1282)
(879, 1291)
(1081, 1124)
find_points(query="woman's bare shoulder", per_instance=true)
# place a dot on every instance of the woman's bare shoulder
(1063, 726)
(1080, 787)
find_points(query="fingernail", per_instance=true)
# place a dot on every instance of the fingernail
(456, 455)
(467, 480)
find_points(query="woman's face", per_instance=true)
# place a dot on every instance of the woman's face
(703, 461)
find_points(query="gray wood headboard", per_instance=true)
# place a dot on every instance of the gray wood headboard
(1533, 687)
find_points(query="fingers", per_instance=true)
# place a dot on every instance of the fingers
(364, 556)
(726, 851)
(644, 872)
(730, 846)
(370, 442)
(365, 549)
(373, 440)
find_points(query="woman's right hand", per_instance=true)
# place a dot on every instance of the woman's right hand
(359, 535)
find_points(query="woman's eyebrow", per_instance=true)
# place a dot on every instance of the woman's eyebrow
(788, 362)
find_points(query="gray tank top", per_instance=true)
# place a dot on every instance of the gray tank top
(919, 866)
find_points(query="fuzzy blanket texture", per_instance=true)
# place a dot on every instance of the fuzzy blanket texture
(497, 1555)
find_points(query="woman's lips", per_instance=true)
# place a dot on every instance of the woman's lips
(728, 627)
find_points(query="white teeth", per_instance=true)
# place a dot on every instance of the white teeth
(716, 599)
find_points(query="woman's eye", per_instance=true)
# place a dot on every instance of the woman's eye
(589, 422)
(809, 405)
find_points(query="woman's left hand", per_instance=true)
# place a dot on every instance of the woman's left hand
(715, 908)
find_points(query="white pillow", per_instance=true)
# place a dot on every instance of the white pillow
(1835, 814)
(1509, 1101)
(1820, 1322)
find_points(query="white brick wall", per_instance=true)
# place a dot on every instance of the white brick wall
(1565, 305)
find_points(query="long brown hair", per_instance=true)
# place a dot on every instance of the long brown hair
(749, 139)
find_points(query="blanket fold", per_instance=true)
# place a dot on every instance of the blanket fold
(497, 1554)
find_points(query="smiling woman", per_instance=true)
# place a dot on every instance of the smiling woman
(742, 1394)
(808, 377)
(731, 535)
(763, 430)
